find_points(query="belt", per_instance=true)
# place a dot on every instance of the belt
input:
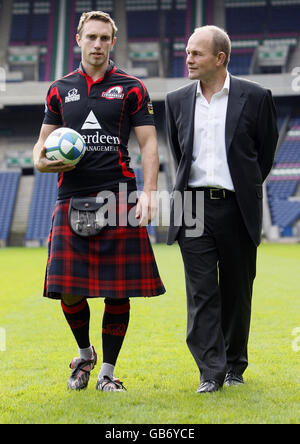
(214, 193)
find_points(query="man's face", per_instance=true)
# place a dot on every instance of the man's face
(95, 42)
(201, 61)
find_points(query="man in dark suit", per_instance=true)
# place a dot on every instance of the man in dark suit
(223, 134)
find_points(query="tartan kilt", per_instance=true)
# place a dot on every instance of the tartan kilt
(117, 263)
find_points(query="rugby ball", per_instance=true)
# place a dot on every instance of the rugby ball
(65, 144)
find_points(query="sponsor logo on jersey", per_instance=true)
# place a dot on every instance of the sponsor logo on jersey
(91, 122)
(72, 96)
(115, 92)
(96, 141)
(101, 142)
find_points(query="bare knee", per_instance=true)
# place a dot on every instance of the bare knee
(71, 299)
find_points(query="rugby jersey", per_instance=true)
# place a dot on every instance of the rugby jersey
(103, 112)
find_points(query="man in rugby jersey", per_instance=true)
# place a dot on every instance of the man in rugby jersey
(103, 104)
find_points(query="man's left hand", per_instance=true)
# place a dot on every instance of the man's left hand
(146, 207)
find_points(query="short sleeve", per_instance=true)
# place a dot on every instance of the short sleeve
(141, 108)
(52, 107)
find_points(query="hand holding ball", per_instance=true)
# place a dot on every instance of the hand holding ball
(65, 144)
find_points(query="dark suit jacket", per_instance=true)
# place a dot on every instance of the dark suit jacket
(250, 136)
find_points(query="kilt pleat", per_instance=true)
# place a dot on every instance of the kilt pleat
(117, 263)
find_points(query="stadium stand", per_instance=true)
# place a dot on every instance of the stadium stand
(9, 181)
(33, 25)
(284, 180)
(264, 34)
(173, 19)
(42, 204)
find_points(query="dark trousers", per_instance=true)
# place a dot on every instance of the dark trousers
(220, 267)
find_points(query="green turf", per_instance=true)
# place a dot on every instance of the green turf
(155, 364)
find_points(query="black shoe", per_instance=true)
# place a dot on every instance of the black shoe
(209, 386)
(232, 378)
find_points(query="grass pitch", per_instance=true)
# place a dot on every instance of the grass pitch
(155, 365)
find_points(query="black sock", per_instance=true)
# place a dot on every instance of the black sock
(78, 318)
(114, 327)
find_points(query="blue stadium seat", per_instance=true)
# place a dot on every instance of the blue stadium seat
(178, 66)
(281, 189)
(284, 213)
(9, 182)
(33, 24)
(284, 18)
(246, 19)
(239, 64)
(39, 30)
(42, 205)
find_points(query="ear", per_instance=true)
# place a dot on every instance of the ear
(113, 42)
(78, 39)
(221, 58)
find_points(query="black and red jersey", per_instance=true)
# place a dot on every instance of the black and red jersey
(103, 112)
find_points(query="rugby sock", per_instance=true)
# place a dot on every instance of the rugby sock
(78, 318)
(106, 370)
(86, 353)
(114, 326)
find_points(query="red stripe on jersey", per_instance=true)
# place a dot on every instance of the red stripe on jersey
(132, 77)
(60, 180)
(125, 171)
(123, 165)
(137, 91)
(54, 93)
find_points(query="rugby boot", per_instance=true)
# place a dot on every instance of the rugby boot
(81, 370)
(107, 384)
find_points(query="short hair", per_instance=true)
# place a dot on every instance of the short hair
(96, 15)
(220, 40)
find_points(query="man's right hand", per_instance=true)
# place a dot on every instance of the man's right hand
(44, 165)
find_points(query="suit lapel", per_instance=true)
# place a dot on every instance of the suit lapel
(188, 114)
(236, 102)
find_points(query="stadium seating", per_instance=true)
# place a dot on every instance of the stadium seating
(177, 23)
(33, 24)
(284, 181)
(36, 22)
(42, 204)
(284, 213)
(9, 181)
(260, 23)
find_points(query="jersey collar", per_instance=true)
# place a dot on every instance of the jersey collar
(110, 70)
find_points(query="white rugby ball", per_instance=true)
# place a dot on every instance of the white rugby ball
(65, 144)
